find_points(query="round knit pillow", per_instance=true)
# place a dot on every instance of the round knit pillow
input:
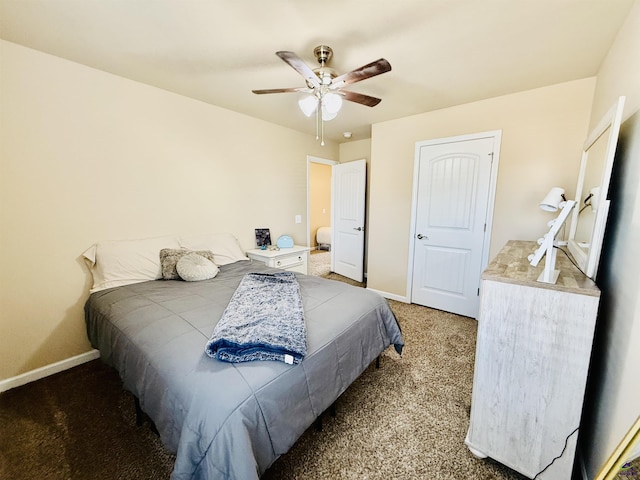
(193, 268)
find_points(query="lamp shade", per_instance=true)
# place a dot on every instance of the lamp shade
(552, 201)
(327, 115)
(332, 102)
(308, 104)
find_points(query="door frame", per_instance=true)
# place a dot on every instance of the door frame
(497, 140)
(324, 161)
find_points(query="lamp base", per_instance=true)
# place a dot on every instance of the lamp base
(553, 277)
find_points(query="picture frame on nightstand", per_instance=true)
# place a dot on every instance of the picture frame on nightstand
(263, 237)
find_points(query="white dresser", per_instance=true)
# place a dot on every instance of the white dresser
(295, 259)
(532, 357)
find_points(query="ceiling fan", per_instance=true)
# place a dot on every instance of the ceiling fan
(325, 87)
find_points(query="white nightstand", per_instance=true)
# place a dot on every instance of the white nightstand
(294, 259)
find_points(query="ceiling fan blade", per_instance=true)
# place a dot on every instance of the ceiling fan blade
(281, 90)
(299, 66)
(360, 98)
(367, 71)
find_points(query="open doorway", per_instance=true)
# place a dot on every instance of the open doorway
(319, 206)
(319, 214)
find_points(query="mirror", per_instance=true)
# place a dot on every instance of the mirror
(592, 204)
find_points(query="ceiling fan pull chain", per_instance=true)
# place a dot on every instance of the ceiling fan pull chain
(321, 122)
(317, 124)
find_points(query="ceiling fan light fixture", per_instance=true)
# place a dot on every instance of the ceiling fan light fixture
(332, 103)
(308, 104)
(324, 85)
(327, 115)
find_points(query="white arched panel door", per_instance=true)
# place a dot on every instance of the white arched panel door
(451, 207)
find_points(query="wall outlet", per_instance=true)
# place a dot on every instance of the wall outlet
(298, 218)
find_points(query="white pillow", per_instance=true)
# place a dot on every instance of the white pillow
(121, 262)
(193, 268)
(225, 247)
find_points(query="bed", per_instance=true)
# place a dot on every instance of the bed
(231, 420)
(323, 238)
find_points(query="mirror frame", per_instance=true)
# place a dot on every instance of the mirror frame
(621, 454)
(588, 261)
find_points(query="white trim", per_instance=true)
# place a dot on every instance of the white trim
(326, 161)
(390, 296)
(47, 370)
(497, 140)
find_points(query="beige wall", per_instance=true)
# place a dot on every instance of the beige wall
(612, 401)
(88, 156)
(319, 198)
(355, 150)
(542, 135)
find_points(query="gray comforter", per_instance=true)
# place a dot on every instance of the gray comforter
(233, 420)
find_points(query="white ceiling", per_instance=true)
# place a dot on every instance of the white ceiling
(442, 52)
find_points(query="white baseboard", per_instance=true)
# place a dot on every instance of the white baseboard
(47, 370)
(391, 296)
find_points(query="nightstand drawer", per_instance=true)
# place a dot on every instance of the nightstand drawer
(294, 259)
(288, 261)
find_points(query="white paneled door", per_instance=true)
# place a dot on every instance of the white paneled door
(347, 246)
(453, 194)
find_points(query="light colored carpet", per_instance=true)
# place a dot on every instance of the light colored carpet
(319, 263)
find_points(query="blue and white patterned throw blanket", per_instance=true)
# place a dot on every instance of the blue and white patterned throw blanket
(263, 321)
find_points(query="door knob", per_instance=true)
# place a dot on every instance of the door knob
(359, 229)
(420, 237)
